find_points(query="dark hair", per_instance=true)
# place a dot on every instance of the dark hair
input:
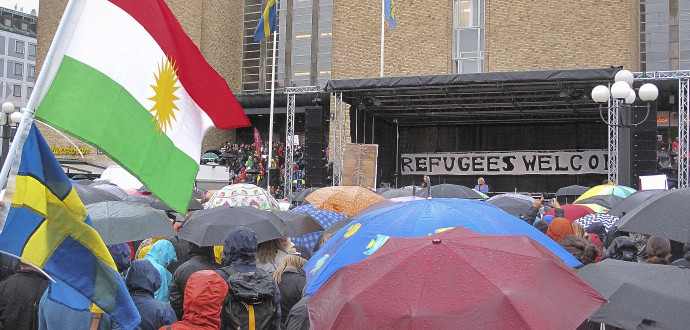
(322, 240)
(582, 249)
(542, 226)
(659, 250)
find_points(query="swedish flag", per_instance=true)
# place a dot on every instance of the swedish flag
(268, 22)
(48, 225)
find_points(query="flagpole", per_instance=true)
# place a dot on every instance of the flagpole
(27, 119)
(273, 95)
(383, 18)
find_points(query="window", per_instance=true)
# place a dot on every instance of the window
(17, 91)
(32, 49)
(24, 26)
(31, 71)
(468, 36)
(18, 68)
(29, 90)
(19, 47)
(7, 22)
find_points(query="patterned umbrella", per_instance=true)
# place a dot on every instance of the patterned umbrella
(606, 219)
(348, 200)
(244, 194)
(607, 189)
(323, 217)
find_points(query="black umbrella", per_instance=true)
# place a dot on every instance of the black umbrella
(252, 171)
(298, 223)
(515, 206)
(373, 207)
(193, 205)
(607, 201)
(664, 215)
(303, 194)
(210, 226)
(383, 189)
(227, 155)
(640, 295)
(446, 190)
(140, 199)
(119, 222)
(633, 201)
(90, 195)
(573, 190)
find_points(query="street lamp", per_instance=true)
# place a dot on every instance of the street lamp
(7, 109)
(624, 95)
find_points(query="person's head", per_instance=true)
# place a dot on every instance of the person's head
(267, 251)
(548, 218)
(120, 253)
(143, 277)
(578, 229)
(582, 249)
(659, 250)
(559, 228)
(622, 248)
(597, 228)
(291, 261)
(162, 252)
(203, 298)
(480, 181)
(322, 240)
(239, 249)
(541, 225)
(303, 251)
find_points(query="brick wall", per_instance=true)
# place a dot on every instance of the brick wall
(214, 26)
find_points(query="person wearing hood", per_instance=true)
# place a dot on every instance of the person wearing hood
(120, 253)
(239, 255)
(203, 301)
(559, 228)
(622, 248)
(685, 260)
(160, 255)
(142, 281)
(200, 258)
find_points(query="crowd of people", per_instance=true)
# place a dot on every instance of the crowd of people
(176, 284)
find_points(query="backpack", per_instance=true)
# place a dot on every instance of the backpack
(250, 302)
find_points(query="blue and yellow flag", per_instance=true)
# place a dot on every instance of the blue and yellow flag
(389, 12)
(48, 226)
(268, 22)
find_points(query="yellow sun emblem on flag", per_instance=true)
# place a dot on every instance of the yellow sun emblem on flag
(163, 109)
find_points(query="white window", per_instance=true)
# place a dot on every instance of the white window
(468, 36)
(31, 71)
(24, 26)
(19, 47)
(29, 90)
(7, 22)
(18, 68)
(17, 91)
(32, 49)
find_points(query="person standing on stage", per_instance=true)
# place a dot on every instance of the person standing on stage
(481, 186)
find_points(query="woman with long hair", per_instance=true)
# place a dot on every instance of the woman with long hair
(270, 254)
(659, 250)
(291, 281)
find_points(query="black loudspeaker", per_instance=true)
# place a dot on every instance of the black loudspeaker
(314, 145)
(642, 146)
(274, 175)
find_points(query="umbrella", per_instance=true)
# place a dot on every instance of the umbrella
(323, 217)
(633, 201)
(607, 220)
(573, 190)
(298, 223)
(193, 205)
(227, 155)
(209, 156)
(446, 190)
(572, 211)
(515, 206)
(252, 171)
(140, 199)
(417, 218)
(373, 207)
(111, 188)
(455, 279)
(640, 295)
(664, 215)
(606, 201)
(210, 226)
(303, 194)
(383, 189)
(512, 196)
(244, 194)
(119, 222)
(90, 195)
(607, 189)
(401, 192)
(406, 199)
(483, 195)
(348, 200)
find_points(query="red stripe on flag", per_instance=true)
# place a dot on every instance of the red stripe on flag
(206, 87)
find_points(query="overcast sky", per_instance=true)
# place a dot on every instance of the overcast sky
(27, 4)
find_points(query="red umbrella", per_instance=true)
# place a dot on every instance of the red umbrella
(572, 211)
(455, 279)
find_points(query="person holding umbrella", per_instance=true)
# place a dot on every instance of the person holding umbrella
(291, 280)
(270, 254)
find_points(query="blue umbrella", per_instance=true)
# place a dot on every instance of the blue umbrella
(366, 234)
(323, 217)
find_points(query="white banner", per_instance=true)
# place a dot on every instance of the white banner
(506, 163)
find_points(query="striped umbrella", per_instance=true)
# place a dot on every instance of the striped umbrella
(606, 219)
(607, 189)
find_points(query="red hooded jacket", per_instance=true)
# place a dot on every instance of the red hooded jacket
(203, 301)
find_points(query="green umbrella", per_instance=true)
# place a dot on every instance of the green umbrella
(209, 155)
(119, 222)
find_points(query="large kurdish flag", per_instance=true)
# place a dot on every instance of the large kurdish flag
(128, 80)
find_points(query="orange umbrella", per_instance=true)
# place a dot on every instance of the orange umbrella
(348, 200)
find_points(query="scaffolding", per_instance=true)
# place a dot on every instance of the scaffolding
(290, 134)
(338, 139)
(613, 107)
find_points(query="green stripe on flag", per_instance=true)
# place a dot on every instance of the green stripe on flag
(89, 105)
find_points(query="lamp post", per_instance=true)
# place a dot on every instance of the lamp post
(7, 109)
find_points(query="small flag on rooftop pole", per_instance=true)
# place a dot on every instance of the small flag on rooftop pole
(390, 13)
(267, 23)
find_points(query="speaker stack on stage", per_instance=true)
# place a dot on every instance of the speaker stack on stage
(315, 129)
(637, 148)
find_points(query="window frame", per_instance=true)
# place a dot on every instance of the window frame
(31, 71)
(17, 49)
(17, 89)
(19, 65)
(32, 46)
